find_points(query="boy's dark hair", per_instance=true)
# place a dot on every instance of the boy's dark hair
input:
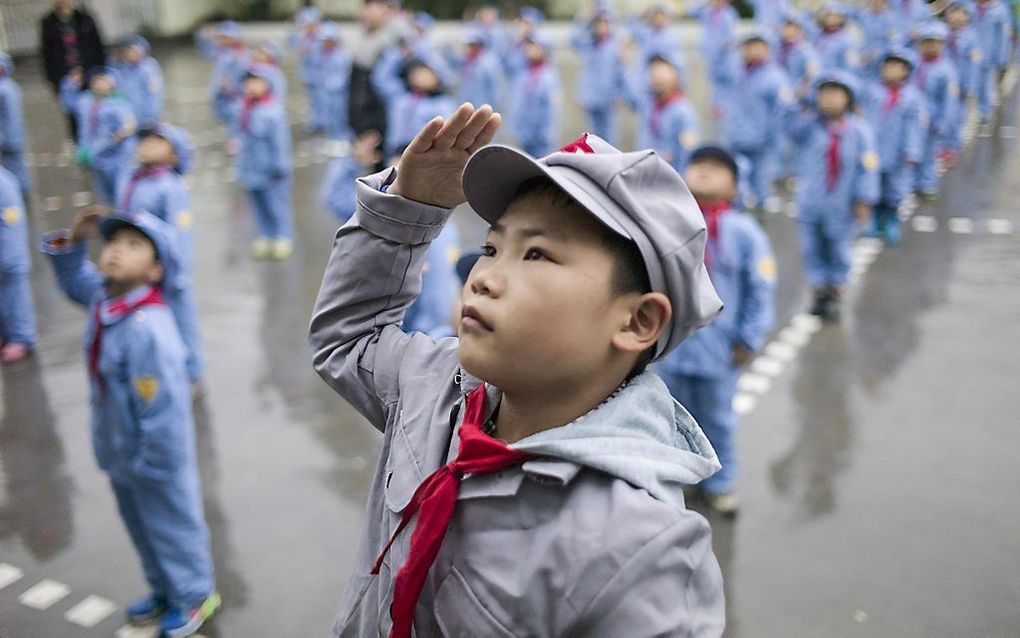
(629, 272)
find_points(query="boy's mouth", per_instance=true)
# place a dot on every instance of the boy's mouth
(471, 318)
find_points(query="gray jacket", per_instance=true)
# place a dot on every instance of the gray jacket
(591, 539)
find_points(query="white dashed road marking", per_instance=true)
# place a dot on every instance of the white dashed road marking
(91, 611)
(44, 594)
(9, 574)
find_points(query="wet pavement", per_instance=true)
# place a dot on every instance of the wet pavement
(881, 457)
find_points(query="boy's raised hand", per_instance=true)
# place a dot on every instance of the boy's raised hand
(86, 224)
(431, 168)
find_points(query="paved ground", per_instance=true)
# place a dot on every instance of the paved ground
(880, 458)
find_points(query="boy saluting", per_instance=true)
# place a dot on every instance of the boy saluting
(531, 474)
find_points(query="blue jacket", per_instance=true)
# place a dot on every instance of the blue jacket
(769, 13)
(141, 412)
(13, 227)
(717, 31)
(142, 85)
(481, 80)
(671, 127)
(902, 126)
(965, 52)
(265, 154)
(882, 30)
(12, 121)
(838, 51)
(663, 43)
(909, 13)
(936, 80)
(98, 122)
(307, 47)
(331, 84)
(754, 103)
(743, 272)
(164, 194)
(228, 67)
(600, 81)
(857, 177)
(992, 26)
(407, 112)
(432, 310)
(535, 114)
(70, 94)
(801, 63)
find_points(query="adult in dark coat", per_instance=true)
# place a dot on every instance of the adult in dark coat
(69, 38)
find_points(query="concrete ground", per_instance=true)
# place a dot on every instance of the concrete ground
(880, 457)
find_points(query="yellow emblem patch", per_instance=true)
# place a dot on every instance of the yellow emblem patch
(452, 255)
(975, 56)
(11, 215)
(146, 387)
(870, 161)
(767, 268)
(185, 219)
(688, 139)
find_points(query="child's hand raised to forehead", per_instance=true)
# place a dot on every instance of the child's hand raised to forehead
(431, 168)
(86, 223)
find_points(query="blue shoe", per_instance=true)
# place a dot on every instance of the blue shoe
(178, 623)
(146, 609)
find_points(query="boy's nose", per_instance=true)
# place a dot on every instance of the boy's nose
(486, 280)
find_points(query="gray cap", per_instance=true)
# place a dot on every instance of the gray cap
(636, 195)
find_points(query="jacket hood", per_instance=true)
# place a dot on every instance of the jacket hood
(640, 435)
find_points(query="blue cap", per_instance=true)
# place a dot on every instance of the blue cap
(136, 40)
(179, 140)
(423, 20)
(271, 49)
(532, 14)
(229, 29)
(845, 80)
(833, 7)
(6, 63)
(307, 16)
(933, 30)
(329, 31)
(793, 16)
(257, 70)
(957, 4)
(902, 54)
(162, 235)
(541, 40)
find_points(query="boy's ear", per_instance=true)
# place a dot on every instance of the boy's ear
(649, 315)
(156, 272)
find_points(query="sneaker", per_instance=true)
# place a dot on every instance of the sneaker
(146, 609)
(261, 248)
(818, 306)
(178, 623)
(831, 309)
(14, 352)
(282, 248)
(723, 503)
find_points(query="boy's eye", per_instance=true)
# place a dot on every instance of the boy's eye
(535, 253)
(488, 250)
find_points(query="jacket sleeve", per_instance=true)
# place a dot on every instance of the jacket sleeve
(916, 124)
(950, 98)
(123, 122)
(12, 124)
(158, 386)
(758, 279)
(671, 586)
(386, 76)
(866, 181)
(154, 85)
(283, 158)
(77, 277)
(373, 275)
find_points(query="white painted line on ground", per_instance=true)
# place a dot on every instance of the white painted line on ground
(81, 198)
(131, 631)
(753, 383)
(795, 337)
(767, 366)
(924, 223)
(806, 323)
(961, 225)
(744, 404)
(781, 351)
(9, 574)
(91, 611)
(51, 204)
(44, 594)
(999, 226)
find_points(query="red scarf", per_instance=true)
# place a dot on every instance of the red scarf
(892, 97)
(712, 212)
(143, 172)
(832, 158)
(117, 308)
(660, 105)
(434, 502)
(248, 105)
(534, 72)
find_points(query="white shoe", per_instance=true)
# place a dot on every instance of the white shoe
(282, 249)
(261, 248)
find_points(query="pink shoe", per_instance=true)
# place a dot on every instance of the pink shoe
(13, 352)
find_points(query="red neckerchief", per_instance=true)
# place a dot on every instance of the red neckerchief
(751, 67)
(434, 501)
(116, 308)
(143, 172)
(660, 105)
(892, 97)
(580, 145)
(473, 54)
(832, 156)
(248, 105)
(712, 212)
(534, 71)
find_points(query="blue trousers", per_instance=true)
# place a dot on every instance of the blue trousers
(104, 182)
(710, 402)
(602, 122)
(185, 308)
(165, 521)
(17, 313)
(826, 250)
(761, 165)
(336, 117)
(927, 178)
(223, 108)
(987, 88)
(272, 208)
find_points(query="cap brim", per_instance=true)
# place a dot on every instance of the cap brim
(110, 225)
(495, 173)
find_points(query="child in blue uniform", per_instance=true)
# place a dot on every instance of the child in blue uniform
(718, 19)
(897, 112)
(702, 372)
(965, 52)
(882, 29)
(12, 127)
(156, 186)
(432, 312)
(141, 80)
(836, 47)
(601, 78)
(936, 78)
(268, 55)
(488, 23)
(529, 21)
(264, 164)
(753, 106)
(837, 184)
(414, 94)
(656, 38)
(142, 429)
(106, 129)
(17, 313)
(304, 40)
(994, 34)
(481, 74)
(534, 118)
(229, 63)
(337, 191)
(797, 56)
(667, 121)
(330, 84)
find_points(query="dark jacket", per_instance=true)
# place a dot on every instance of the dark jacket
(90, 45)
